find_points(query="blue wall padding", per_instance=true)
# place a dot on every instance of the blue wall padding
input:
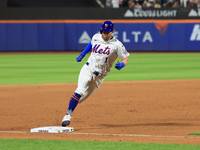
(46, 36)
(177, 37)
(14, 36)
(59, 36)
(30, 36)
(3, 36)
(75, 36)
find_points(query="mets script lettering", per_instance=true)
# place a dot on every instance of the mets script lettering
(98, 49)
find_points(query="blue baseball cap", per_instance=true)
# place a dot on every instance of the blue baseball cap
(107, 26)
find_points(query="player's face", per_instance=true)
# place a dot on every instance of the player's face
(106, 35)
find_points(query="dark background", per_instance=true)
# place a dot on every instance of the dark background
(69, 9)
(52, 3)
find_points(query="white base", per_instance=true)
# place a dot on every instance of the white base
(52, 129)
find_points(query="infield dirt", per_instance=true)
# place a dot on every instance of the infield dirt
(159, 111)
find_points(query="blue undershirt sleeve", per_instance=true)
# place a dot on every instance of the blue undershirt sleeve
(88, 48)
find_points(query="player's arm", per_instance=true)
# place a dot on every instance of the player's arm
(86, 50)
(120, 65)
(125, 61)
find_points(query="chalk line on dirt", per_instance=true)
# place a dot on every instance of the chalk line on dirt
(106, 134)
(134, 135)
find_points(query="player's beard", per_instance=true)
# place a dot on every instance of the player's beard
(106, 37)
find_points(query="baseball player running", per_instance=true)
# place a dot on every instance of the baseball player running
(104, 49)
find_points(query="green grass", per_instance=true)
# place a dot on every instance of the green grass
(195, 133)
(63, 68)
(16, 144)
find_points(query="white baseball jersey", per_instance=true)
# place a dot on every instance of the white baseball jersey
(103, 55)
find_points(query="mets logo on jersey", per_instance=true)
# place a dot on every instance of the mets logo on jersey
(98, 49)
(125, 51)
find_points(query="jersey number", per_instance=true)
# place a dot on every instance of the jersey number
(106, 60)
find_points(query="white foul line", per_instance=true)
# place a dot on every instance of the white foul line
(13, 132)
(105, 134)
(135, 135)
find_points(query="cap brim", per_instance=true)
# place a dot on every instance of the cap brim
(107, 30)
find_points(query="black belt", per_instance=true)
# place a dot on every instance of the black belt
(95, 72)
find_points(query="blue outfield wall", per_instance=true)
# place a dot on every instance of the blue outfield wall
(164, 37)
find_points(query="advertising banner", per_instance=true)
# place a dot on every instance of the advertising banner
(82, 13)
(147, 37)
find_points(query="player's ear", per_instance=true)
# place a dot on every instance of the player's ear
(113, 31)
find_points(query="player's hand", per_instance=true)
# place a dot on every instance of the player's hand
(80, 57)
(119, 65)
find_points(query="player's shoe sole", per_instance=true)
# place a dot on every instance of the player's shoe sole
(66, 120)
(65, 123)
